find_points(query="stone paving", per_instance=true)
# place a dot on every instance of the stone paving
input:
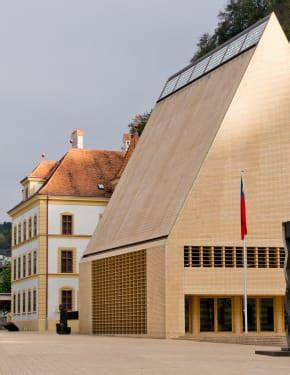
(28, 353)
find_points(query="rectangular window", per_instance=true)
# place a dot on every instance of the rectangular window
(34, 300)
(206, 257)
(24, 266)
(66, 261)
(19, 268)
(14, 304)
(29, 264)
(30, 228)
(35, 226)
(29, 301)
(24, 301)
(224, 306)
(24, 231)
(207, 315)
(218, 257)
(66, 299)
(34, 262)
(26, 192)
(66, 224)
(229, 258)
(19, 234)
(18, 303)
(15, 235)
(267, 314)
(14, 269)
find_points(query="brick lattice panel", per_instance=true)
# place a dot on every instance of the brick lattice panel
(119, 294)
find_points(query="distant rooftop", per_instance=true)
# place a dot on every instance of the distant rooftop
(227, 51)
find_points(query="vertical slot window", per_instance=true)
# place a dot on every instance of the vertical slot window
(195, 256)
(218, 257)
(229, 257)
(207, 257)
(262, 258)
(273, 258)
(186, 256)
(251, 257)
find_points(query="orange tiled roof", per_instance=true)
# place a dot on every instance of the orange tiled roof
(80, 171)
(43, 169)
(126, 136)
(133, 143)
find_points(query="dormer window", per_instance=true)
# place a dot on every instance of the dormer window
(34, 226)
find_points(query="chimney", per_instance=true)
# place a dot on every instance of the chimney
(77, 138)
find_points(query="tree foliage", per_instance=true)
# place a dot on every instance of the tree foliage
(237, 16)
(5, 235)
(138, 123)
(5, 279)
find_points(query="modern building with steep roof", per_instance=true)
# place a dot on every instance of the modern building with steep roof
(62, 201)
(167, 258)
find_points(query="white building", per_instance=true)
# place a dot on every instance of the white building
(61, 204)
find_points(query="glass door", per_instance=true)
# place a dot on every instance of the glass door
(266, 314)
(224, 306)
(206, 314)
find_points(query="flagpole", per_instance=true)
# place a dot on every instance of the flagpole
(245, 287)
(245, 261)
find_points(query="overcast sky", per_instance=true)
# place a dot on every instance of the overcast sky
(91, 64)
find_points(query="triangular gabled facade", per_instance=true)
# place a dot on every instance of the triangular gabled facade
(178, 199)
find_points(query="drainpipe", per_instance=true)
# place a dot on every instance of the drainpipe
(46, 303)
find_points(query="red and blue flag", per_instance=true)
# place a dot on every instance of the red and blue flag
(243, 212)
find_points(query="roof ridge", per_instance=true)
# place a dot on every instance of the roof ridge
(128, 154)
(93, 150)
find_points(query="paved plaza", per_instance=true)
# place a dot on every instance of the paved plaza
(34, 353)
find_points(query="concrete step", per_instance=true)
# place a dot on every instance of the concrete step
(279, 341)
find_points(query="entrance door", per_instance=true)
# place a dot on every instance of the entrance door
(224, 306)
(215, 314)
(207, 315)
(260, 315)
(266, 314)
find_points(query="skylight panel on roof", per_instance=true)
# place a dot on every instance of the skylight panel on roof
(184, 78)
(231, 49)
(216, 58)
(254, 36)
(234, 47)
(170, 86)
(200, 68)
